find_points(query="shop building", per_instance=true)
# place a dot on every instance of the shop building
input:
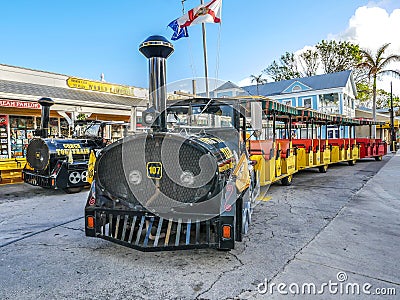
(382, 131)
(74, 98)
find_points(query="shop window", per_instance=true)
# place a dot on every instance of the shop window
(329, 103)
(53, 125)
(21, 132)
(118, 132)
(3, 136)
(287, 102)
(333, 133)
(307, 102)
(65, 129)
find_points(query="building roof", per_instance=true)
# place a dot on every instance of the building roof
(23, 88)
(386, 110)
(318, 82)
(227, 85)
(378, 113)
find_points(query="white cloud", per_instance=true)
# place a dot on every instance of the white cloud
(372, 26)
(245, 82)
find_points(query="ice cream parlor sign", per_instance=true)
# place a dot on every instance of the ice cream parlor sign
(19, 104)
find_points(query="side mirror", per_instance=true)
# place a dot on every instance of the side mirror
(107, 133)
(256, 116)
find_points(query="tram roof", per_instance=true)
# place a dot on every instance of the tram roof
(298, 113)
(306, 114)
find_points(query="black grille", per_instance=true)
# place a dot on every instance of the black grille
(152, 233)
(110, 173)
(117, 162)
(38, 154)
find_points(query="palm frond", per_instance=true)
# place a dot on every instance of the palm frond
(388, 60)
(367, 56)
(382, 50)
(393, 73)
(364, 64)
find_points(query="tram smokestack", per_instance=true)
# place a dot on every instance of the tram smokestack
(44, 124)
(157, 49)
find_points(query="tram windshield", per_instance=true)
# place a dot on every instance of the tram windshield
(201, 116)
(87, 129)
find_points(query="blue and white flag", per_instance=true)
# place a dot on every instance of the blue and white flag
(179, 31)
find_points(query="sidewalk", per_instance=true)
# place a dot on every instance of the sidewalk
(361, 245)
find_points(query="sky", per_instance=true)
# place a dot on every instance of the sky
(87, 38)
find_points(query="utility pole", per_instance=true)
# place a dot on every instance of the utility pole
(392, 132)
(203, 27)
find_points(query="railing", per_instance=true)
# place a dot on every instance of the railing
(11, 170)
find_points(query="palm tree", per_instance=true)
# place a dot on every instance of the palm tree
(258, 80)
(376, 66)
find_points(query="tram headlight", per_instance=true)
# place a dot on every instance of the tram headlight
(187, 178)
(149, 116)
(135, 177)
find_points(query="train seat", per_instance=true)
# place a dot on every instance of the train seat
(262, 147)
(317, 145)
(337, 142)
(285, 147)
(303, 143)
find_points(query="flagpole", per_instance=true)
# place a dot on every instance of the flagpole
(203, 25)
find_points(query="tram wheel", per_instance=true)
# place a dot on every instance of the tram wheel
(73, 190)
(323, 169)
(287, 180)
(378, 158)
(352, 162)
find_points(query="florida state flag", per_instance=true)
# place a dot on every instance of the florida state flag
(205, 13)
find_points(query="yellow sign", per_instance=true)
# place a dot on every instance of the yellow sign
(83, 84)
(154, 170)
(91, 164)
(242, 174)
(72, 146)
(388, 125)
(73, 151)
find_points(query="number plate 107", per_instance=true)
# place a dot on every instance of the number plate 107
(154, 170)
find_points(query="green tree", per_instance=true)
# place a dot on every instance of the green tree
(338, 56)
(285, 69)
(383, 99)
(333, 56)
(258, 79)
(309, 61)
(364, 92)
(81, 117)
(377, 64)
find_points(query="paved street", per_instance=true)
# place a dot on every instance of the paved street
(347, 220)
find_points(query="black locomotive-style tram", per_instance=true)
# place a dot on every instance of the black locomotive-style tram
(175, 190)
(191, 181)
(60, 163)
(189, 186)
